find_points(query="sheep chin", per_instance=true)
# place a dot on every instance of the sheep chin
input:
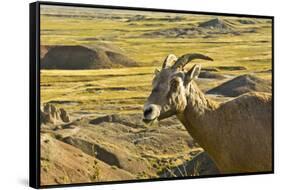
(151, 123)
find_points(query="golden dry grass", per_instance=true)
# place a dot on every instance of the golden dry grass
(125, 89)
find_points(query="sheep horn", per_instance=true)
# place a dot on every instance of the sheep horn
(169, 60)
(184, 59)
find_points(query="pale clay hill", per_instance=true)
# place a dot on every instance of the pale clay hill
(240, 85)
(216, 23)
(88, 147)
(92, 57)
(206, 29)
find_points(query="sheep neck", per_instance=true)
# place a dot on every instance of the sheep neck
(198, 118)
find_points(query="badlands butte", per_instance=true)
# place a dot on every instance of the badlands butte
(97, 66)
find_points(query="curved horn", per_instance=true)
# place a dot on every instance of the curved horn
(183, 60)
(169, 60)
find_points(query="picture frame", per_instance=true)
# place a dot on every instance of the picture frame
(140, 26)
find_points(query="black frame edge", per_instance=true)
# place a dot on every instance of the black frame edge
(34, 117)
(272, 91)
(34, 97)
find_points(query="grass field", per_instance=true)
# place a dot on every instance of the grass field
(124, 90)
(247, 48)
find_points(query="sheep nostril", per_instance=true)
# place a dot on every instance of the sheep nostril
(147, 112)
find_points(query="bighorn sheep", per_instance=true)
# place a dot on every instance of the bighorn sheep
(236, 134)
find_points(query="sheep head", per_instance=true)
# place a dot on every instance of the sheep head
(168, 96)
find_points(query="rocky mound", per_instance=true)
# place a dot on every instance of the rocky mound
(240, 85)
(210, 69)
(223, 68)
(216, 24)
(86, 147)
(134, 121)
(173, 32)
(112, 155)
(131, 120)
(94, 149)
(52, 115)
(206, 29)
(247, 21)
(210, 75)
(200, 165)
(62, 163)
(81, 57)
(136, 18)
(265, 71)
(44, 50)
(146, 18)
(231, 68)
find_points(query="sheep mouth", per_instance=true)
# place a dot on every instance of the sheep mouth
(149, 121)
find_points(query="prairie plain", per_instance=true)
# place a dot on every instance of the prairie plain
(92, 126)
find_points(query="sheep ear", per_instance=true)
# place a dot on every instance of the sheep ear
(194, 72)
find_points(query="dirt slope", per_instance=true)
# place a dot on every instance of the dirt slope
(111, 147)
(63, 164)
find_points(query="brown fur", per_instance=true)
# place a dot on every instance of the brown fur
(176, 94)
(236, 134)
